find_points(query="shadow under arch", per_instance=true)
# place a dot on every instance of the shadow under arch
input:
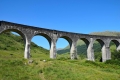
(97, 45)
(100, 41)
(82, 45)
(68, 39)
(17, 31)
(115, 55)
(115, 42)
(85, 41)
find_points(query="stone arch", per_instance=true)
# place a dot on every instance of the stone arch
(45, 36)
(86, 41)
(82, 52)
(17, 31)
(115, 42)
(98, 55)
(68, 39)
(100, 41)
(115, 53)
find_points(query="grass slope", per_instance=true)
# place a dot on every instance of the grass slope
(14, 67)
(19, 69)
(11, 44)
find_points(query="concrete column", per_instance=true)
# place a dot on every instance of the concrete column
(118, 47)
(73, 50)
(1, 29)
(53, 53)
(106, 54)
(90, 51)
(27, 49)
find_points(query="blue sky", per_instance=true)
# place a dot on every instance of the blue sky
(81, 16)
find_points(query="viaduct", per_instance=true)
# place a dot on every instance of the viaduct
(28, 32)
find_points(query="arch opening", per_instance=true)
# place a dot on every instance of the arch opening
(115, 55)
(82, 45)
(40, 46)
(63, 47)
(97, 46)
(16, 32)
(12, 43)
(114, 42)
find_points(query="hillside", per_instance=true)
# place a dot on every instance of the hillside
(107, 33)
(81, 46)
(12, 44)
(14, 67)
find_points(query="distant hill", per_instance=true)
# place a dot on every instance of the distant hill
(107, 33)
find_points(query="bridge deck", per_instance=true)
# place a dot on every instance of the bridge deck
(58, 31)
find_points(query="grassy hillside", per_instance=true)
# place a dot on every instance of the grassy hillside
(14, 67)
(58, 70)
(14, 46)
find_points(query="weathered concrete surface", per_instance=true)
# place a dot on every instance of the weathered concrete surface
(28, 32)
(53, 52)
(27, 49)
(90, 50)
(73, 50)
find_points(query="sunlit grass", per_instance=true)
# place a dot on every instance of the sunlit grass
(13, 66)
(55, 69)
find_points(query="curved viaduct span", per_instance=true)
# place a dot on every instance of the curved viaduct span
(28, 32)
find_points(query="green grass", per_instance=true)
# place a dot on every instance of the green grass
(58, 69)
(14, 67)
(17, 68)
